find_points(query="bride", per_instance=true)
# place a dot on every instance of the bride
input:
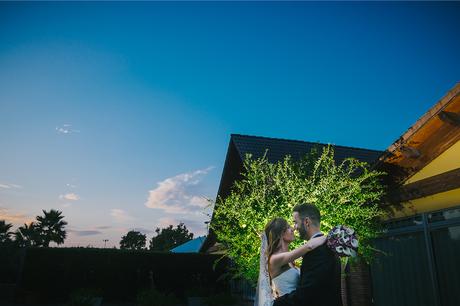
(278, 275)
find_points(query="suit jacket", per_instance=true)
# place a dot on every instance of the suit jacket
(319, 281)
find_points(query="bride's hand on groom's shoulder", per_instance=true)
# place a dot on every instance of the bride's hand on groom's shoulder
(316, 242)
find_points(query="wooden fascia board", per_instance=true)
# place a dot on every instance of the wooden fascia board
(432, 185)
(429, 137)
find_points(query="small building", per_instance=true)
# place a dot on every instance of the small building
(276, 149)
(192, 246)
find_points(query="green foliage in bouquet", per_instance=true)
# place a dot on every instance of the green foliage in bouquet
(348, 193)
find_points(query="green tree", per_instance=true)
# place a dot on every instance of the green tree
(28, 235)
(348, 194)
(52, 227)
(169, 237)
(133, 241)
(5, 234)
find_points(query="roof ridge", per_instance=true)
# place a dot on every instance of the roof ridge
(303, 141)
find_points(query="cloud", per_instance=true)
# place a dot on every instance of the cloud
(143, 230)
(71, 185)
(166, 221)
(66, 129)
(177, 195)
(69, 196)
(9, 186)
(103, 227)
(84, 232)
(120, 215)
(15, 218)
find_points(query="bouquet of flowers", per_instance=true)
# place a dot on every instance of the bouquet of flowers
(342, 241)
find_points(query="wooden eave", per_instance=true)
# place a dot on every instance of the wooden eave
(430, 136)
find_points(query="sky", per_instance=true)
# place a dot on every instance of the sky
(119, 114)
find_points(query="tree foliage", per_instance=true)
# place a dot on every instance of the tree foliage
(133, 240)
(52, 227)
(28, 235)
(48, 228)
(169, 237)
(347, 193)
(5, 233)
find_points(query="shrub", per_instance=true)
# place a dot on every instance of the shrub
(220, 299)
(152, 297)
(83, 297)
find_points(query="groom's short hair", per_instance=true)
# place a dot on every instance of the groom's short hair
(308, 210)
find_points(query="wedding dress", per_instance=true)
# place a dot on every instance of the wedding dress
(283, 283)
(286, 282)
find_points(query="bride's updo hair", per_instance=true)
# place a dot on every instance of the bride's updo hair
(274, 231)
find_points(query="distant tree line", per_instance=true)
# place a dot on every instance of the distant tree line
(165, 239)
(50, 227)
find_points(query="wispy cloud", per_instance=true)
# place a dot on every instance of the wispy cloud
(166, 221)
(66, 129)
(14, 217)
(143, 230)
(71, 185)
(9, 186)
(85, 232)
(119, 215)
(103, 227)
(177, 195)
(69, 196)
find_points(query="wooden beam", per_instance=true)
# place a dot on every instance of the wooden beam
(450, 117)
(432, 185)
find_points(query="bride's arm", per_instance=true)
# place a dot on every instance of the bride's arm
(281, 259)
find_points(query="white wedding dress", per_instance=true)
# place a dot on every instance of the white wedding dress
(286, 282)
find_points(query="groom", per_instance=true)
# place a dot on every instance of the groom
(320, 271)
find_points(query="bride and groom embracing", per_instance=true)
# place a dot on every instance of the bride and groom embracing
(280, 282)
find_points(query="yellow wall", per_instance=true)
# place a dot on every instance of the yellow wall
(448, 160)
(437, 201)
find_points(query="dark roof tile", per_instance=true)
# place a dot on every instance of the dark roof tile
(279, 148)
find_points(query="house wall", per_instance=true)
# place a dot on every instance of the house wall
(437, 201)
(448, 160)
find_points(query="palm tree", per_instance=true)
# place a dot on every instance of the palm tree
(28, 235)
(52, 227)
(5, 232)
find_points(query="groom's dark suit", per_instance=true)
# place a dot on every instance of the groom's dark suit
(319, 281)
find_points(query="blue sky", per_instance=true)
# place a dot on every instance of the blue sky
(119, 114)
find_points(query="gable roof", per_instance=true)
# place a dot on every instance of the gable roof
(436, 131)
(430, 136)
(278, 149)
